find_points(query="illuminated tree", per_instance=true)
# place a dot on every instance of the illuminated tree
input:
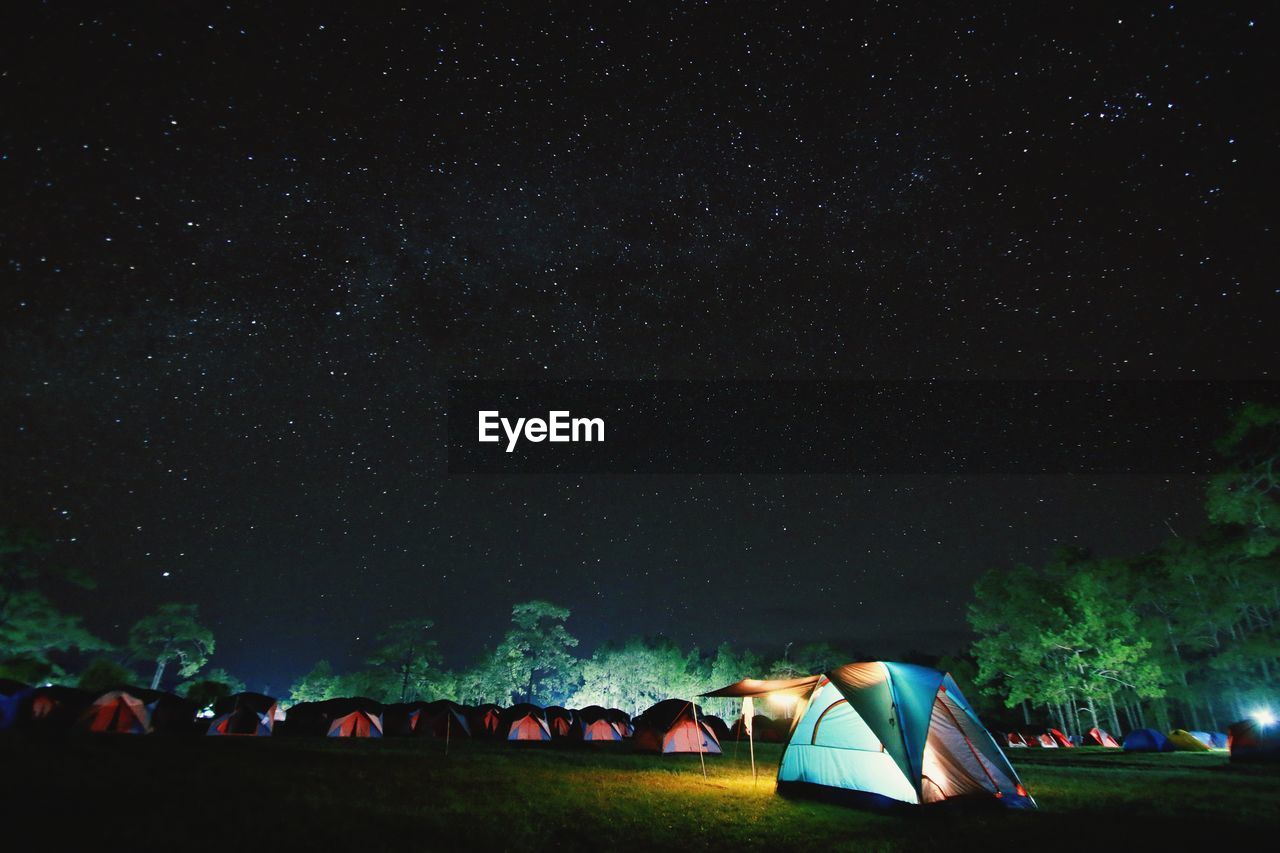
(32, 628)
(173, 634)
(409, 658)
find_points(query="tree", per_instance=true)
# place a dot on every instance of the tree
(317, 685)
(173, 634)
(104, 674)
(1247, 494)
(533, 662)
(409, 658)
(32, 629)
(215, 684)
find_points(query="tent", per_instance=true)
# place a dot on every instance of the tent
(485, 720)
(669, 727)
(595, 727)
(401, 719)
(358, 717)
(243, 714)
(1047, 741)
(1218, 740)
(524, 722)
(52, 708)
(1185, 741)
(116, 712)
(1061, 739)
(621, 721)
(719, 728)
(444, 720)
(763, 729)
(1146, 740)
(1015, 740)
(1204, 737)
(1252, 741)
(1100, 737)
(10, 699)
(888, 734)
(559, 720)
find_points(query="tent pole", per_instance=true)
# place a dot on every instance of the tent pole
(448, 726)
(697, 730)
(751, 733)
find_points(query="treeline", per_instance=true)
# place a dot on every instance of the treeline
(1183, 636)
(534, 663)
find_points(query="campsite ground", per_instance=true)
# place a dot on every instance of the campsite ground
(406, 794)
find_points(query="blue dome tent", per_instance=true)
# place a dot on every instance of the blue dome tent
(888, 734)
(1146, 740)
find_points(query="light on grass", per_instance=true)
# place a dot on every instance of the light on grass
(1264, 717)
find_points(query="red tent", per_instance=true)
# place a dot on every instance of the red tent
(1100, 737)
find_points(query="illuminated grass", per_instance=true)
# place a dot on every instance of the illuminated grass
(407, 794)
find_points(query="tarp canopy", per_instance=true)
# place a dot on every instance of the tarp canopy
(758, 687)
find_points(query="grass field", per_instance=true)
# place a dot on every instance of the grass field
(201, 793)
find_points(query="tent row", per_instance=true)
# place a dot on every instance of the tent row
(1138, 740)
(666, 727)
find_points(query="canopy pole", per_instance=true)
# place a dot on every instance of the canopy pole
(697, 729)
(748, 707)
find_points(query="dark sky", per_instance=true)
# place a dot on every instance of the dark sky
(245, 248)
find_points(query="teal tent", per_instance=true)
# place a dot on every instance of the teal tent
(887, 734)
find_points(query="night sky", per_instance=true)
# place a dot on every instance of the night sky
(245, 249)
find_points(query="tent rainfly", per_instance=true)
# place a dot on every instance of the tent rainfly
(887, 734)
(670, 727)
(243, 714)
(525, 722)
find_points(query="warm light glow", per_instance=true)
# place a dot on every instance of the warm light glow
(1264, 717)
(782, 700)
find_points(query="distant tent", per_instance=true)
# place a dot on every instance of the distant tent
(559, 720)
(444, 719)
(1218, 740)
(243, 714)
(52, 708)
(1015, 740)
(1204, 737)
(719, 728)
(1100, 737)
(116, 712)
(1146, 740)
(524, 722)
(1185, 741)
(10, 699)
(1047, 741)
(668, 727)
(594, 726)
(358, 717)
(485, 720)
(401, 719)
(1251, 741)
(763, 729)
(888, 734)
(621, 721)
(1062, 740)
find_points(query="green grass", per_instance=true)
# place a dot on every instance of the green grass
(202, 793)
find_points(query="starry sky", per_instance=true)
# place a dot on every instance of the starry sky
(245, 249)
